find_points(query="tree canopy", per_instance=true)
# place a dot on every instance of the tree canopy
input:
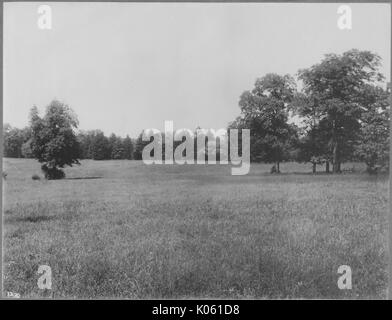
(264, 111)
(336, 95)
(342, 105)
(53, 140)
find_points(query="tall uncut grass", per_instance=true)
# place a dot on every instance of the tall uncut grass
(125, 229)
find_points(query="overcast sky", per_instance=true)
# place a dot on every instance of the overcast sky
(124, 67)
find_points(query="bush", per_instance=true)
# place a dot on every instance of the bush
(35, 177)
(52, 173)
(274, 169)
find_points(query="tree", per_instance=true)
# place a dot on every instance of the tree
(26, 149)
(373, 148)
(100, 146)
(313, 145)
(112, 141)
(264, 111)
(53, 140)
(14, 139)
(128, 148)
(85, 139)
(116, 147)
(311, 148)
(139, 146)
(336, 90)
(95, 145)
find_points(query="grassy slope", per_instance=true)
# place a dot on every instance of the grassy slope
(138, 231)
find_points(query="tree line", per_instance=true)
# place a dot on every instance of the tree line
(92, 144)
(341, 103)
(343, 106)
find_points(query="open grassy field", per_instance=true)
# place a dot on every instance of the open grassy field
(125, 229)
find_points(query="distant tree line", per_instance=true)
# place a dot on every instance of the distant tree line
(140, 144)
(92, 144)
(15, 142)
(343, 109)
(95, 145)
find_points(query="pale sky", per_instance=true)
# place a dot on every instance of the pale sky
(125, 67)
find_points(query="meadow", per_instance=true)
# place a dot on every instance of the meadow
(122, 229)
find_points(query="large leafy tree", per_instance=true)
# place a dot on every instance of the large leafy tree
(313, 145)
(373, 147)
(264, 111)
(53, 140)
(100, 146)
(336, 90)
(26, 149)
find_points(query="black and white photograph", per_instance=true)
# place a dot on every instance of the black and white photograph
(196, 150)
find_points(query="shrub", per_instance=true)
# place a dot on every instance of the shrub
(35, 177)
(52, 173)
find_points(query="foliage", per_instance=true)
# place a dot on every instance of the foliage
(373, 148)
(52, 172)
(128, 148)
(100, 147)
(95, 145)
(14, 139)
(53, 141)
(336, 93)
(264, 111)
(26, 150)
(139, 146)
(116, 147)
(343, 110)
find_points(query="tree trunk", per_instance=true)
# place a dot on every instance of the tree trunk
(278, 167)
(314, 168)
(327, 167)
(335, 156)
(336, 160)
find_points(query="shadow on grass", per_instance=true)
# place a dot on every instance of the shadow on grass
(381, 175)
(299, 173)
(33, 218)
(82, 178)
(287, 173)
